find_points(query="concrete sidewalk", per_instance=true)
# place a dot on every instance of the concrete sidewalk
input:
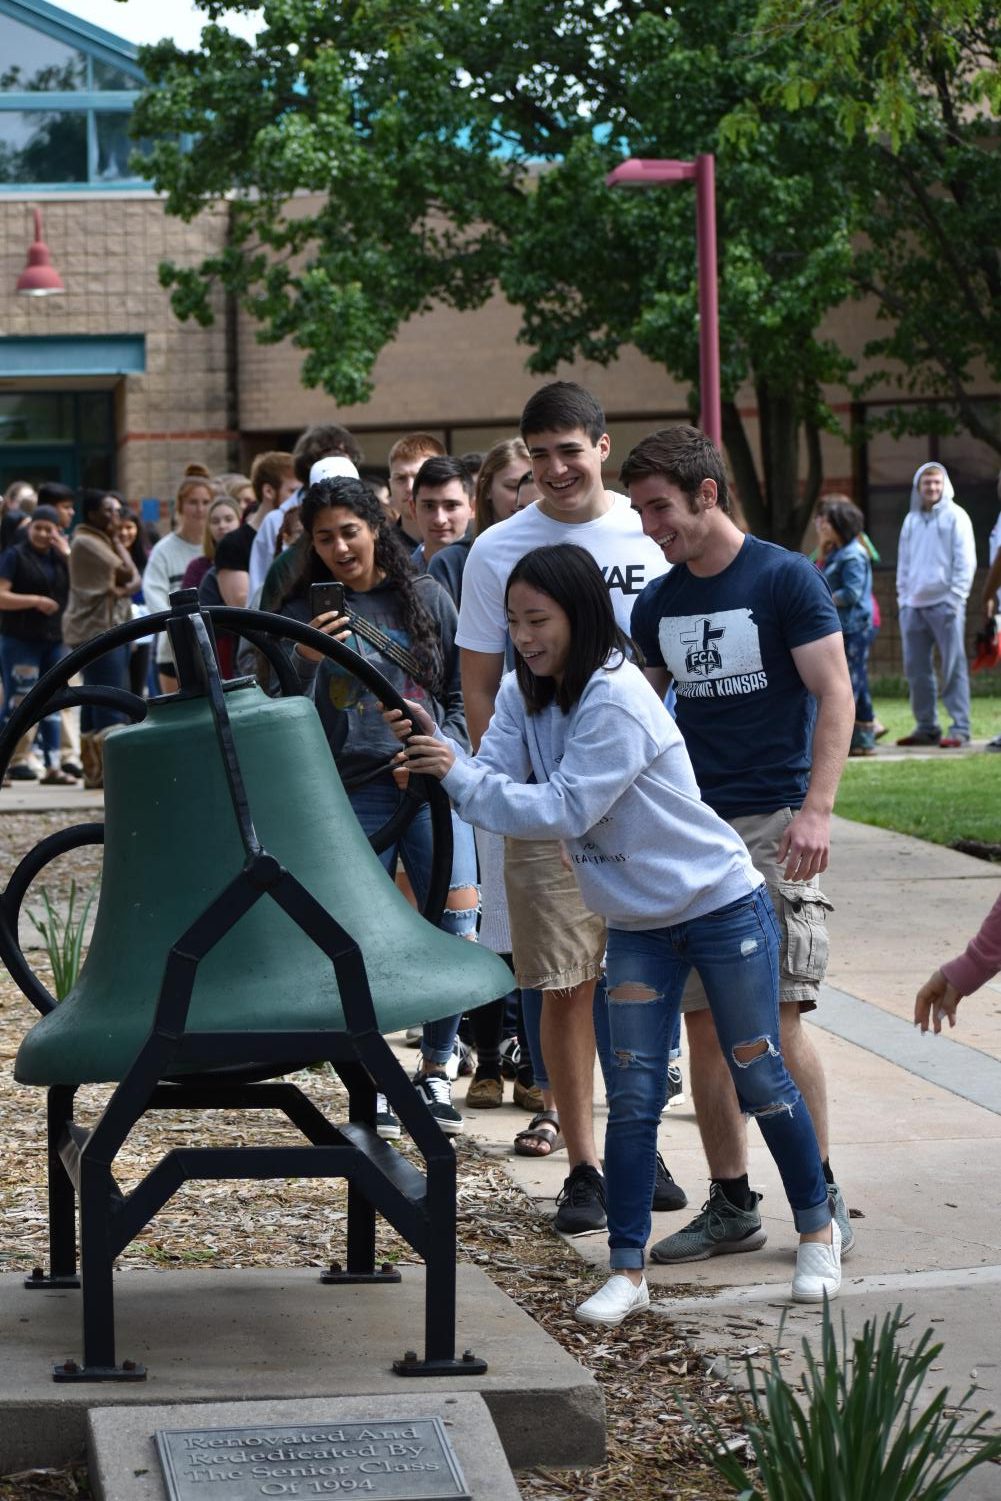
(915, 1128)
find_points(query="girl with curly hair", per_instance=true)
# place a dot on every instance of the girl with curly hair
(353, 542)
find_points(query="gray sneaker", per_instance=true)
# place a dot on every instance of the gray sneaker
(840, 1210)
(720, 1230)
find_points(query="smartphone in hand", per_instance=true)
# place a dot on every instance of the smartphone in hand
(324, 598)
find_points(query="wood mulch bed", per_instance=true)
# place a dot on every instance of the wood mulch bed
(656, 1384)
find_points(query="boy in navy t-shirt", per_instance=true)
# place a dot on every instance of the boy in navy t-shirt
(750, 636)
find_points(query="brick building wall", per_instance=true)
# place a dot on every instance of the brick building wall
(107, 250)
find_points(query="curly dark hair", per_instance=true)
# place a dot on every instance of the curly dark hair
(392, 558)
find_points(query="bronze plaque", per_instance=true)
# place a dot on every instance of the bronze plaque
(376, 1461)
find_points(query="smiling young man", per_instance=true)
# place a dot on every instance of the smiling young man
(441, 506)
(749, 633)
(936, 564)
(557, 945)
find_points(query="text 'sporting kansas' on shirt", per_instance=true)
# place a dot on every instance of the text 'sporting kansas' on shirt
(713, 656)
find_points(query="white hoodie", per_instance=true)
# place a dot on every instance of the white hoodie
(937, 554)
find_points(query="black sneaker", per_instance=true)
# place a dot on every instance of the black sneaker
(510, 1055)
(580, 1203)
(22, 772)
(436, 1092)
(387, 1123)
(666, 1193)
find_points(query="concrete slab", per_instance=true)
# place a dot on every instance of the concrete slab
(32, 797)
(124, 1465)
(209, 1336)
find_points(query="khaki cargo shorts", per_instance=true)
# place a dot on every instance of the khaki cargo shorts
(556, 942)
(801, 908)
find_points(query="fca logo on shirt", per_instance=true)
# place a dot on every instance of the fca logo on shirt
(701, 655)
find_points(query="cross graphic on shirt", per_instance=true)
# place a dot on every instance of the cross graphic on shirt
(701, 655)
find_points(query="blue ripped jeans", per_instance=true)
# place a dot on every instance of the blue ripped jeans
(374, 803)
(735, 951)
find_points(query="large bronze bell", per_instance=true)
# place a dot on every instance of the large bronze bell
(245, 927)
(172, 844)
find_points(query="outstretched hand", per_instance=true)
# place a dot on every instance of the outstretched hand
(427, 756)
(423, 753)
(935, 1001)
(420, 721)
(331, 623)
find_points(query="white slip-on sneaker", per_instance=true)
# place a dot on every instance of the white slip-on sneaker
(818, 1269)
(615, 1301)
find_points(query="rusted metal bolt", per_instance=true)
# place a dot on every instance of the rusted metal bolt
(37, 1274)
(128, 1365)
(468, 1355)
(335, 1269)
(409, 1357)
(69, 1366)
(387, 1267)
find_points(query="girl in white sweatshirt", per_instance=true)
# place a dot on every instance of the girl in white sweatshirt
(674, 882)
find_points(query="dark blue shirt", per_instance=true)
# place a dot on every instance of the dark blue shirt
(742, 707)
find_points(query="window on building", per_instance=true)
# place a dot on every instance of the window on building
(65, 103)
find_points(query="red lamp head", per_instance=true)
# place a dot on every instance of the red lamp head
(39, 277)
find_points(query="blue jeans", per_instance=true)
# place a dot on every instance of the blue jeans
(109, 671)
(374, 803)
(857, 644)
(531, 1009)
(22, 664)
(735, 951)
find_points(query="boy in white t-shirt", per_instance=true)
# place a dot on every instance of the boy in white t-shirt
(557, 944)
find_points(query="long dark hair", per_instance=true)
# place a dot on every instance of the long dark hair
(572, 579)
(137, 550)
(391, 558)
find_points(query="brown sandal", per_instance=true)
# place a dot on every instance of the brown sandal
(541, 1137)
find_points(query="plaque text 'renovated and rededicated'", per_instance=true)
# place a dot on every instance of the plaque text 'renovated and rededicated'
(377, 1461)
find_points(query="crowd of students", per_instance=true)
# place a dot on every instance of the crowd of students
(633, 863)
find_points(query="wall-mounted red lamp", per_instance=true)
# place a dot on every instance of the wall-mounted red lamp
(39, 277)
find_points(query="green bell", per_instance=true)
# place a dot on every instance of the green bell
(172, 845)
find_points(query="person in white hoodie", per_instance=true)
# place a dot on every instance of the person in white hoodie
(936, 561)
(581, 748)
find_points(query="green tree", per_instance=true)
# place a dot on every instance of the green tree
(466, 144)
(355, 101)
(594, 270)
(917, 91)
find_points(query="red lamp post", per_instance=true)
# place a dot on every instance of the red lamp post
(640, 172)
(39, 277)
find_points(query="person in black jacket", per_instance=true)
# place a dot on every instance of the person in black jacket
(34, 585)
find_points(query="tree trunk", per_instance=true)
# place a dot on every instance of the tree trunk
(780, 461)
(745, 475)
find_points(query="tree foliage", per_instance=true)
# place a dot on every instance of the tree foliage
(463, 145)
(594, 270)
(917, 91)
(353, 101)
(874, 57)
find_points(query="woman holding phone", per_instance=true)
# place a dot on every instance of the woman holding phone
(357, 583)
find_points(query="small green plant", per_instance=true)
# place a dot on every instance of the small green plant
(63, 935)
(856, 1431)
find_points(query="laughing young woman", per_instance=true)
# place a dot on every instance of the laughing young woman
(674, 882)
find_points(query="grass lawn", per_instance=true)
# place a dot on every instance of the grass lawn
(939, 800)
(985, 718)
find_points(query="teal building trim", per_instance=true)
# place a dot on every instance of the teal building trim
(31, 356)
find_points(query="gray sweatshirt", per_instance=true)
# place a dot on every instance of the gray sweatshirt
(613, 780)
